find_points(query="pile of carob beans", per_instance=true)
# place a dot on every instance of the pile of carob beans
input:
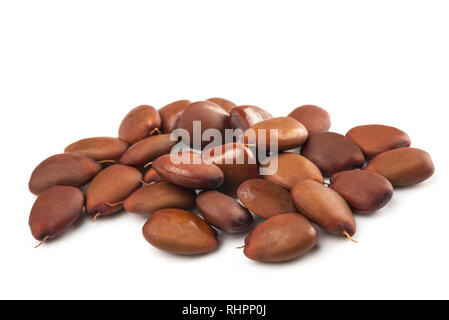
(137, 172)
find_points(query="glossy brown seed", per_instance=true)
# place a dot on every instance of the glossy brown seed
(237, 162)
(375, 139)
(323, 206)
(181, 232)
(243, 117)
(159, 195)
(364, 191)
(188, 171)
(152, 176)
(290, 133)
(55, 210)
(224, 103)
(223, 212)
(332, 152)
(99, 148)
(291, 168)
(146, 150)
(281, 238)
(403, 166)
(265, 198)
(211, 115)
(107, 191)
(171, 113)
(139, 123)
(314, 118)
(70, 169)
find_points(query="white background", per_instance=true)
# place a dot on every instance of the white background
(70, 70)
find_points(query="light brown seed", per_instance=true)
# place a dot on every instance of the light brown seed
(224, 103)
(171, 113)
(99, 148)
(243, 117)
(314, 118)
(139, 123)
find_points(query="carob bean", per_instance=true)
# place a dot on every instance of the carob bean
(152, 176)
(139, 123)
(243, 117)
(224, 103)
(314, 118)
(99, 148)
(171, 113)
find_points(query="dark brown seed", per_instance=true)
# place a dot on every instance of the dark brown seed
(223, 212)
(314, 118)
(139, 123)
(159, 195)
(264, 198)
(323, 206)
(148, 149)
(291, 168)
(225, 104)
(332, 152)
(243, 117)
(99, 148)
(55, 210)
(364, 191)
(70, 169)
(237, 162)
(181, 232)
(290, 134)
(188, 171)
(107, 191)
(281, 238)
(171, 113)
(375, 139)
(403, 166)
(152, 176)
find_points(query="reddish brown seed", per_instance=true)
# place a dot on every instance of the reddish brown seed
(244, 117)
(281, 238)
(211, 115)
(364, 191)
(139, 123)
(159, 195)
(291, 168)
(55, 210)
(223, 212)
(314, 118)
(107, 191)
(323, 206)
(148, 149)
(171, 113)
(290, 133)
(265, 198)
(181, 232)
(375, 139)
(225, 104)
(70, 169)
(403, 166)
(152, 176)
(99, 148)
(332, 152)
(188, 171)
(237, 162)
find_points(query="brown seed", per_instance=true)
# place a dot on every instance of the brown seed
(291, 168)
(323, 206)
(265, 198)
(99, 148)
(181, 232)
(188, 171)
(146, 150)
(314, 118)
(152, 176)
(107, 191)
(281, 238)
(403, 166)
(70, 169)
(290, 133)
(55, 210)
(243, 117)
(211, 115)
(364, 191)
(139, 123)
(159, 195)
(225, 104)
(332, 152)
(171, 113)
(236, 161)
(375, 139)
(223, 212)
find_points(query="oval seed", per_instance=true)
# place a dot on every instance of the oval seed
(243, 117)
(139, 123)
(224, 103)
(171, 113)
(314, 118)
(99, 148)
